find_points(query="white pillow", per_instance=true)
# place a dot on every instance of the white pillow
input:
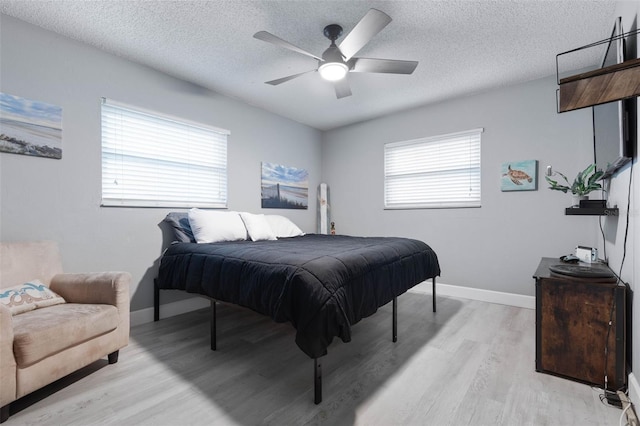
(257, 227)
(214, 226)
(282, 227)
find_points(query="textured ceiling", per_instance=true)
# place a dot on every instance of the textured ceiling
(463, 46)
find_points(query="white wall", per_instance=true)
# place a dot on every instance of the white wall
(495, 247)
(60, 199)
(618, 194)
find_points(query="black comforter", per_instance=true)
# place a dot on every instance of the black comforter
(322, 284)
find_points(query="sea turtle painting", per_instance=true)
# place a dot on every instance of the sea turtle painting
(517, 176)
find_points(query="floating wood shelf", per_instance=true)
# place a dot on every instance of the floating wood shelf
(612, 83)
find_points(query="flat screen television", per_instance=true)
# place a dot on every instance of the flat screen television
(611, 121)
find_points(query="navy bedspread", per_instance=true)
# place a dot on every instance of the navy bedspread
(322, 284)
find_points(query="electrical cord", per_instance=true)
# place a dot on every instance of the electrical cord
(603, 396)
(626, 231)
(604, 242)
(609, 396)
(623, 414)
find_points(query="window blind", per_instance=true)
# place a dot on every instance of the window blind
(434, 172)
(151, 160)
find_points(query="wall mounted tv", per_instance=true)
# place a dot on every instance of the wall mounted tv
(612, 122)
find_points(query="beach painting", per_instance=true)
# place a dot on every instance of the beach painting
(30, 127)
(519, 176)
(284, 187)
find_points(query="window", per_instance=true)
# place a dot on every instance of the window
(434, 172)
(149, 160)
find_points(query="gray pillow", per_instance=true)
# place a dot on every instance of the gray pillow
(179, 222)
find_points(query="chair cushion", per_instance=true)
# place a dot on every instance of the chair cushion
(44, 332)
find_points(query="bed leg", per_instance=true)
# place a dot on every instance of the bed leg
(156, 301)
(395, 319)
(317, 381)
(434, 294)
(213, 325)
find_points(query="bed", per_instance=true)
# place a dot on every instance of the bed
(321, 284)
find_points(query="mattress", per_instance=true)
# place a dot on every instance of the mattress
(321, 284)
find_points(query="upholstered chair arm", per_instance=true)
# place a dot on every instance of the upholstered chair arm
(7, 360)
(111, 288)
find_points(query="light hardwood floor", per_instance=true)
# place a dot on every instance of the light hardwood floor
(471, 363)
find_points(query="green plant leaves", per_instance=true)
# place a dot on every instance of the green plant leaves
(585, 182)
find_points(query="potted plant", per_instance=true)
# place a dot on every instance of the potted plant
(585, 182)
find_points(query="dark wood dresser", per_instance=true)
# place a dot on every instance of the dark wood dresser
(580, 326)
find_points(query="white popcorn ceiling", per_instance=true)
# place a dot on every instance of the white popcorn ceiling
(463, 47)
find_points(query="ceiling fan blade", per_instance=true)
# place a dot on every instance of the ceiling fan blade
(342, 88)
(270, 38)
(389, 66)
(285, 79)
(370, 25)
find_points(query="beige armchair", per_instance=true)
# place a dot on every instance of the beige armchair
(42, 345)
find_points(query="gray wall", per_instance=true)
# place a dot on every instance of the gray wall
(618, 194)
(495, 247)
(60, 199)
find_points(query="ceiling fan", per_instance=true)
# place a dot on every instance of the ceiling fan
(337, 61)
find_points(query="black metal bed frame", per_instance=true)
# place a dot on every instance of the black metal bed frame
(317, 365)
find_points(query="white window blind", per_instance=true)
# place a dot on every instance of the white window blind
(151, 160)
(434, 172)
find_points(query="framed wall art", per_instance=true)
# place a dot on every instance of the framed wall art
(284, 187)
(519, 176)
(30, 127)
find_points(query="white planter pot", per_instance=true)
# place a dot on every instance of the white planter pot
(575, 200)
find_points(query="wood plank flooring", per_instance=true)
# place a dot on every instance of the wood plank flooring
(471, 363)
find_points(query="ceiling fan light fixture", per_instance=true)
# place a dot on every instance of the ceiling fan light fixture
(337, 61)
(333, 71)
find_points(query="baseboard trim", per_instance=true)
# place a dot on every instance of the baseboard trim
(499, 297)
(167, 310)
(634, 390)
